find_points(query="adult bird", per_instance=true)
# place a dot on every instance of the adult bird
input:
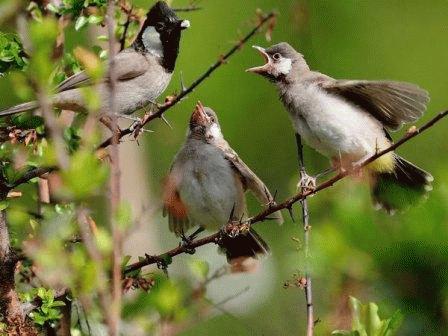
(348, 121)
(143, 71)
(206, 185)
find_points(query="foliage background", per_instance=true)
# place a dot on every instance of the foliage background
(399, 261)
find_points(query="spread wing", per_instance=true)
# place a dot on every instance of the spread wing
(392, 103)
(173, 205)
(128, 64)
(249, 179)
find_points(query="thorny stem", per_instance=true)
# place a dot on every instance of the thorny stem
(306, 237)
(222, 60)
(287, 204)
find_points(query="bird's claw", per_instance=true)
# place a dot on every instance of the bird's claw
(186, 244)
(307, 183)
(234, 230)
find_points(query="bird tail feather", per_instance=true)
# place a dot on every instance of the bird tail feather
(401, 188)
(243, 247)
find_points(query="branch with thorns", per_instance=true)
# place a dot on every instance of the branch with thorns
(148, 117)
(162, 260)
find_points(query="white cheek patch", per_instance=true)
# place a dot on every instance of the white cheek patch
(151, 40)
(215, 131)
(284, 66)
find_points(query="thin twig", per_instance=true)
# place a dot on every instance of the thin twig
(222, 60)
(117, 240)
(306, 237)
(192, 8)
(126, 28)
(287, 204)
(31, 174)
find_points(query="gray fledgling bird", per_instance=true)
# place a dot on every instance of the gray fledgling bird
(143, 71)
(206, 185)
(347, 121)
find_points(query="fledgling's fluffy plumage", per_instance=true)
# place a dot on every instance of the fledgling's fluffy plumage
(206, 185)
(143, 71)
(347, 121)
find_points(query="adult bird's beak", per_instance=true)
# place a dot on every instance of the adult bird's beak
(199, 117)
(184, 24)
(263, 68)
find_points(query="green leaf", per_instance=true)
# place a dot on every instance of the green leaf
(366, 321)
(199, 268)
(53, 8)
(95, 19)
(81, 22)
(27, 121)
(85, 175)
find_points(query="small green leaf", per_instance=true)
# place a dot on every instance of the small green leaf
(199, 268)
(81, 22)
(52, 8)
(95, 19)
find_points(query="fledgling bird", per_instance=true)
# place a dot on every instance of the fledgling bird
(206, 185)
(347, 121)
(143, 70)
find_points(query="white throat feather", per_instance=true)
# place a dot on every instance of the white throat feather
(151, 41)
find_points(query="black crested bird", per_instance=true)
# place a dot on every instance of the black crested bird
(143, 70)
(347, 121)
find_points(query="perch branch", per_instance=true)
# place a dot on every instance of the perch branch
(185, 91)
(306, 237)
(287, 204)
(117, 235)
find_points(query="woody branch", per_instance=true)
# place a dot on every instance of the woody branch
(185, 91)
(288, 203)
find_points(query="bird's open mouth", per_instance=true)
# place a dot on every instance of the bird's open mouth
(199, 116)
(262, 68)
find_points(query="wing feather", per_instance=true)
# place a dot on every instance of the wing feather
(392, 103)
(249, 179)
(128, 64)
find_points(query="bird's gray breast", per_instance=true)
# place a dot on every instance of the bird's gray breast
(208, 188)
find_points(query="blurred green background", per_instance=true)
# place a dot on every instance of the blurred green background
(400, 261)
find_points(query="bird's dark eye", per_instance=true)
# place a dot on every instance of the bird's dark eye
(212, 119)
(159, 26)
(276, 56)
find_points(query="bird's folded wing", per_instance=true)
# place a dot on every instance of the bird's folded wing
(173, 205)
(392, 103)
(128, 65)
(250, 180)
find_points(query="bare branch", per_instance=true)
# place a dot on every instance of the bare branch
(306, 235)
(115, 309)
(287, 204)
(222, 59)
(31, 174)
(192, 8)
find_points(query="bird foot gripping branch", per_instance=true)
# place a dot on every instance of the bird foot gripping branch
(234, 229)
(306, 183)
